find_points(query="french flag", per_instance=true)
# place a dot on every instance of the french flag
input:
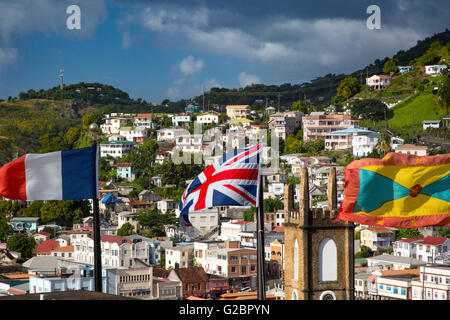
(60, 175)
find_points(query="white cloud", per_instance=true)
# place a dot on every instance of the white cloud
(7, 56)
(246, 79)
(190, 66)
(287, 48)
(173, 93)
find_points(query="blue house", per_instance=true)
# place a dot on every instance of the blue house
(403, 69)
(29, 224)
(126, 171)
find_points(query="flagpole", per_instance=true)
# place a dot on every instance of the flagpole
(260, 242)
(95, 210)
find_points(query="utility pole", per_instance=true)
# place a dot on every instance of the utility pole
(279, 102)
(203, 98)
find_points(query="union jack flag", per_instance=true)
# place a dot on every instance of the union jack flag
(232, 181)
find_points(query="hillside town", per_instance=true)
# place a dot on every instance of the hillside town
(146, 254)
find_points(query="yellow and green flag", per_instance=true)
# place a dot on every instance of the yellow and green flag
(400, 190)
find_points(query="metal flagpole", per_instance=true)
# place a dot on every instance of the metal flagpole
(260, 242)
(95, 209)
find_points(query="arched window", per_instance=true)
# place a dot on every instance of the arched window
(295, 259)
(294, 295)
(327, 260)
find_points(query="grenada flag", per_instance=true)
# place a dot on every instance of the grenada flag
(60, 175)
(400, 190)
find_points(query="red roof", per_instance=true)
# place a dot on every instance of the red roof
(434, 241)
(144, 115)
(45, 247)
(63, 249)
(124, 165)
(115, 239)
(278, 229)
(241, 222)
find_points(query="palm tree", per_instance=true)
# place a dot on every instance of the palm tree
(383, 145)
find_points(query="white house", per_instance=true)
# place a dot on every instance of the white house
(143, 120)
(436, 69)
(363, 143)
(378, 82)
(116, 149)
(208, 118)
(166, 205)
(412, 149)
(135, 134)
(431, 124)
(170, 134)
(205, 220)
(433, 284)
(189, 143)
(181, 119)
(113, 124)
(181, 256)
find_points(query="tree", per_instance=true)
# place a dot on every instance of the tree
(371, 109)
(126, 229)
(444, 96)
(90, 118)
(383, 145)
(249, 214)
(22, 243)
(409, 233)
(298, 106)
(348, 87)
(143, 157)
(390, 66)
(49, 230)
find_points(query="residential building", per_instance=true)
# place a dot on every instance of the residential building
(117, 251)
(164, 289)
(45, 247)
(116, 149)
(205, 220)
(391, 284)
(446, 120)
(128, 217)
(431, 124)
(319, 126)
(377, 237)
(189, 143)
(208, 118)
(434, 70)
(135, 134)
(78, 278)
(135, 282)
(41, 236)
(166, 205)
(180, 256)
(144, 120)
(194, 281)
(425, 249)
(361, 286)
(363, 143)
(378, 82)
(403, 69)
(64, 252)
(237, 111)
(182, 119)
(202, 247)
(126, 171)
(433, 284)
(170, 134)
(236, 264)
(113, 124)
(412, 149)
(391, 262)
(218, 285)
(28, 224)
(282, 126)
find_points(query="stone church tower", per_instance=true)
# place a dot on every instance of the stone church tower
(319, 254)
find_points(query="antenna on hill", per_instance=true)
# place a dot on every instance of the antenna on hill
(61, 76)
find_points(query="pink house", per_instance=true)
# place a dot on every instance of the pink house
(318, 126)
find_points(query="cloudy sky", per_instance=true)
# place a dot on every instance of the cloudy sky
(174, 49)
